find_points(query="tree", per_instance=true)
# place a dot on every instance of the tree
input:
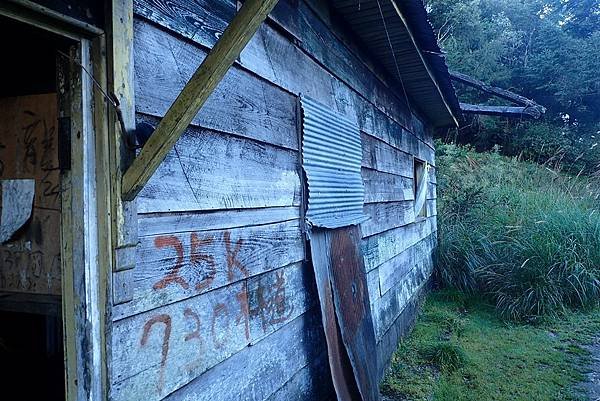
(547, 50)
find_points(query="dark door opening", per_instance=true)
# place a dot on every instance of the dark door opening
(31, 328)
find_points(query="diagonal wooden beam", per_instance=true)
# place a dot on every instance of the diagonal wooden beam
(495, 91)
(195, 93)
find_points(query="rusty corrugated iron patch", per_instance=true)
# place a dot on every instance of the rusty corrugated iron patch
(344, 299)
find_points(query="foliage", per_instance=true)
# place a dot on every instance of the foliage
(501, 362)
(524, 236)
(547, 50)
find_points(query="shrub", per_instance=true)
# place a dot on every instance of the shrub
(524, 235)
(445, 355)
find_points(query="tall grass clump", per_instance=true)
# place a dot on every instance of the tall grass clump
(524, 235)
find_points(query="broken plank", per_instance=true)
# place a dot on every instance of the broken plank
(392, 303)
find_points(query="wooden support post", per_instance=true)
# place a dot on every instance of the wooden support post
(195, 93)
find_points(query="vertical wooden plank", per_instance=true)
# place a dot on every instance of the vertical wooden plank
(341, 370)
(352, 306)
(121, 87)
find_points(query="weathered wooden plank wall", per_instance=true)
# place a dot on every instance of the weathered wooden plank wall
(223, 305)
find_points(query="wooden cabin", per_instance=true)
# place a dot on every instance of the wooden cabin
(273, 245)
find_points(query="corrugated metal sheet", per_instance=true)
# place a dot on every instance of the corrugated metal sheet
(331, 158)
(388, 38)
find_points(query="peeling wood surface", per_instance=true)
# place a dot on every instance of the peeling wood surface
(352, 306)
(17, 204)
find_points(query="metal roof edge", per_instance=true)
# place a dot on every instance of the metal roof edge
(444, 95)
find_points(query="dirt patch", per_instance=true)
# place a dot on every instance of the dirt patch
(592, 384)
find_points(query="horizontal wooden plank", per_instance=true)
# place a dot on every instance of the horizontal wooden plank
(210, 170)
(312, 382)
(380, 248)
(384, 187)
(171, 223)
(393, 272)
(202, 21)
(431, 191)
(261, 370)
(273, 57)
(275, 298)
(174, 267)
(192, 336)
(393, 302)
(373, 286)
(380, 156)
(385, 216)
(388, 344)
(241, 104)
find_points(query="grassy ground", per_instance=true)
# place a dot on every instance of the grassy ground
(460, 350)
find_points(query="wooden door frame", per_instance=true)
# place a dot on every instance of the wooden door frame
(86, 256)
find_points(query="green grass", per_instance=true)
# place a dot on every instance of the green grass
(461, 350)
(522, 235)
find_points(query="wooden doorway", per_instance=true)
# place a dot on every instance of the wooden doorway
(53, 289)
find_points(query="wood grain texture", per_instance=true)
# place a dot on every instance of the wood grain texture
(393, 302)
(295, 69)
(263, 369)
(388, 344)
(202, 21)
(159, 351)
(385, 187)
(380, 156)
(312, 382)
(173, 267)
(393, 272)
(241, 104)
(173, 223)
(208, 170)
(385, 216)
(380, 248)
(195, 93)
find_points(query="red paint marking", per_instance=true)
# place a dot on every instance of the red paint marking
(219, 309)
(271, 305)
(173, 275)
(232, 261)
(188, 312)
(197, 258)
(244, 315)
(166, 320)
